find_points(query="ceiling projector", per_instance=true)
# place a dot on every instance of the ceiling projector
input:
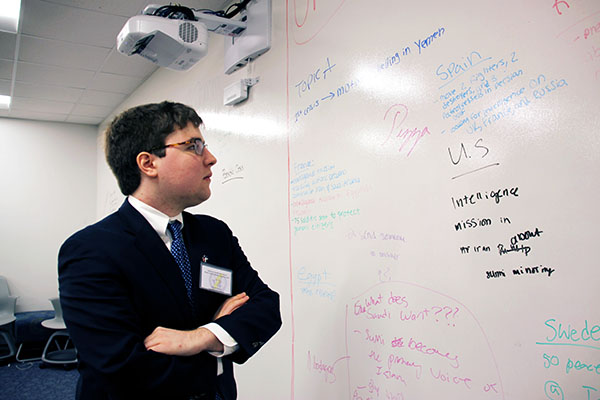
(173, 43)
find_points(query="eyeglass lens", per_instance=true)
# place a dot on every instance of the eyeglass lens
(199, 146)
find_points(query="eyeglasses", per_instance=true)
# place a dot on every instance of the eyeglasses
(198, 144)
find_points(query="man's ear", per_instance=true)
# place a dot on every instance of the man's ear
(146, 163)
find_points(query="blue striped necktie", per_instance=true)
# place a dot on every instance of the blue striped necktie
(181, 257)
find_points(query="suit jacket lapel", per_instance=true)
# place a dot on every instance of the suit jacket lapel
(196, 242)
(158, 257)
(193, 244)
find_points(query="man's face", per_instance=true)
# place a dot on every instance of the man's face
(183, 175)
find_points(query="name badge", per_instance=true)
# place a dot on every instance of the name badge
(215, 279)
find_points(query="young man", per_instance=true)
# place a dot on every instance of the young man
(159, 309)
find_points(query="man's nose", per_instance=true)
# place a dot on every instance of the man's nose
(209, 158)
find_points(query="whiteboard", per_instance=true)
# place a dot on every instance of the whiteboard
(419, 183)
(443, 199)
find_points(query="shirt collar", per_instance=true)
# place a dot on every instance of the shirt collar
(157, 219)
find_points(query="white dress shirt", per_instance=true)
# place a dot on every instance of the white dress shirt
(159, 221)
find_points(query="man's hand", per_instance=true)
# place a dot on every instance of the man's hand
(182, 343)
(231, 304)
(187, 343)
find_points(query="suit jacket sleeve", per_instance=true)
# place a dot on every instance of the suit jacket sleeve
(253, 324)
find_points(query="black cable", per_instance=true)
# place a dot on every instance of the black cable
(209, 11)
(175, 12)
(181, 12)
(238, 7)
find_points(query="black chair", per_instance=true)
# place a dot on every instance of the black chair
(30, 335)
(59, 349)
(7, 319)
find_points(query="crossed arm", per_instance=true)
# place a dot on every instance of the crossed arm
(188, 343)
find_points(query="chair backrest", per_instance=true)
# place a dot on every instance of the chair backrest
(57, 309)
(7, 303)
(4, 292)
(57, 322)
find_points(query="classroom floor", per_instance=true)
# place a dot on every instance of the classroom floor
(27, 381)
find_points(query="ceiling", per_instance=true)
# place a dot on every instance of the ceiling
(63, 65)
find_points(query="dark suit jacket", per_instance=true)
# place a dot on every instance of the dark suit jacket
(118, 282)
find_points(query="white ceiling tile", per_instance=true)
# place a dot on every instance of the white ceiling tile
(6, 67)
(121, 64)
(55, 21)
(50, 75)
(98, 98)
(79, 119)
(34, 115)
(114, 7)
(39, 105)
(65, 54)
(88, 110)
(7, 45)
(115, 83)
(48, 92)
(5, 87)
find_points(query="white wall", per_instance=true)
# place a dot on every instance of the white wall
(48, 186)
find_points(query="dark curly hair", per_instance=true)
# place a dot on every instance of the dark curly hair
(140, 129)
